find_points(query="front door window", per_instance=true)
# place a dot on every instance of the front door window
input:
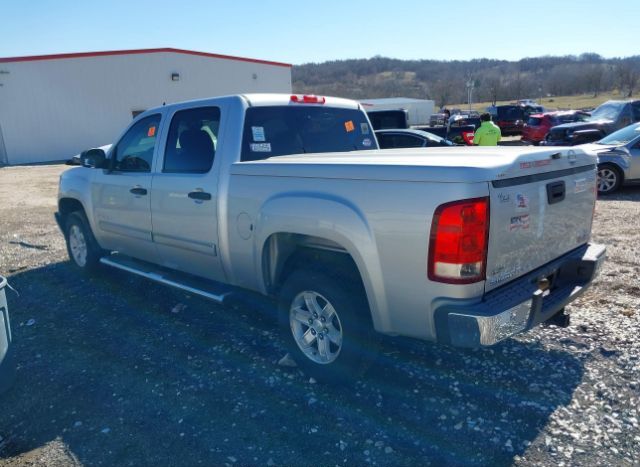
(134, 152)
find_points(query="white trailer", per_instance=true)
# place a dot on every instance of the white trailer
(418, 110)
(54, 106)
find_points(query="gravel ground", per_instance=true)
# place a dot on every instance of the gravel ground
(114, 370)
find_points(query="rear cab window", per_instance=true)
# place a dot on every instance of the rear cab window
(284, 130)
(510, 113)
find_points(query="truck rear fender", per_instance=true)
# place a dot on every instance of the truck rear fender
(290, 222)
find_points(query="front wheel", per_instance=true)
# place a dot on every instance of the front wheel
(326, 325)
(82, 246)
(609, 179)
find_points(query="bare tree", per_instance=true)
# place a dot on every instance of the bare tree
(628, 77)
(594, 75)
(441, 92)
(492, 86)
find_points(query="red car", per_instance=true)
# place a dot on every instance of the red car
(538, 125)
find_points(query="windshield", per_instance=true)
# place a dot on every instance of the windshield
(284, 130)
(622, 136)
(607, 111)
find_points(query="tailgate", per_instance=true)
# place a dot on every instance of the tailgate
(541, 208)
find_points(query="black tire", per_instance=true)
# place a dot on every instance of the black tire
(609, 178)
(76, 230)
(359, 341)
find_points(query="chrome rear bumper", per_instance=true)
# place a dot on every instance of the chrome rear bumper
(521, 304)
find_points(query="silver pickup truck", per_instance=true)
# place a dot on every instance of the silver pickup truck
(464, 246)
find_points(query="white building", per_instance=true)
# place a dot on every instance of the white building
(54, 106)
(418, 110)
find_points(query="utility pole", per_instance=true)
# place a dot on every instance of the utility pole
(469, 92)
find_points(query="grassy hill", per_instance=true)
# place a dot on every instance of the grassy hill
(577, 77)
(581, 101)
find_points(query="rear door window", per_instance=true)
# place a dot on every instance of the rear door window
(408, 141)
(192, 141)
(534, 121)
(396, 140)
(284, 130)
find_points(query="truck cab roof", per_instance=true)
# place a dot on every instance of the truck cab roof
(266, 100)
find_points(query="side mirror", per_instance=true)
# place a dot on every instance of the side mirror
(93, 158)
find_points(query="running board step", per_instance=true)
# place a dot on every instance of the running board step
(208, 289)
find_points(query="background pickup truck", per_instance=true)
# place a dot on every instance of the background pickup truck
(605, 119)
(247, 193)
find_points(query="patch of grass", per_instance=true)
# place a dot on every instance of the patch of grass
(579, 101)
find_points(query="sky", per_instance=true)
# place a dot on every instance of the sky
(301, 31)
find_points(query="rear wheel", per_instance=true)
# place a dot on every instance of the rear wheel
(326, 325)
(82, 246)
(609, 179)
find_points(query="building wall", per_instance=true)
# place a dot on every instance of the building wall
(53, 109)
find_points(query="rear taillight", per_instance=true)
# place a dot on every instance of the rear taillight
(467, 136)
(307, 99)
(458, 244)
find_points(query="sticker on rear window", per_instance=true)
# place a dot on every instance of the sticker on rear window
(151, 132)
(261, 147)
(364, 128)
(349, 126)
(258, 133)
(519, 223)
(366, 142)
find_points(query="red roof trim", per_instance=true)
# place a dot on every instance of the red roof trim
(34, 58)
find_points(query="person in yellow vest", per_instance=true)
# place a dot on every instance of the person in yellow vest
(488, 134)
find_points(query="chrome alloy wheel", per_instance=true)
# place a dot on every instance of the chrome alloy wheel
(316, 327)
(78, 245)
(607, 179)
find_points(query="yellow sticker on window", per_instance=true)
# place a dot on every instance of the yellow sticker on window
(349, 126)
(152, 132)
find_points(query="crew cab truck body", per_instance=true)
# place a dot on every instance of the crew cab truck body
(466, 249)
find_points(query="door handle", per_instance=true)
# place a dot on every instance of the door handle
(136, 190)
(555, 192)
(200, 195)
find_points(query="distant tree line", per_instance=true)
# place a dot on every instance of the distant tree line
(447, 82)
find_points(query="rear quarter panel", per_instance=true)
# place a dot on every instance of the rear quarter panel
(383, 225)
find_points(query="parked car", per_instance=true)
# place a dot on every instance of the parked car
(407, 138)
(538, 125)
(604, 120)
(457, 129)
(618, 158)
(510, 118)
(460, 129)
(264, 194)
